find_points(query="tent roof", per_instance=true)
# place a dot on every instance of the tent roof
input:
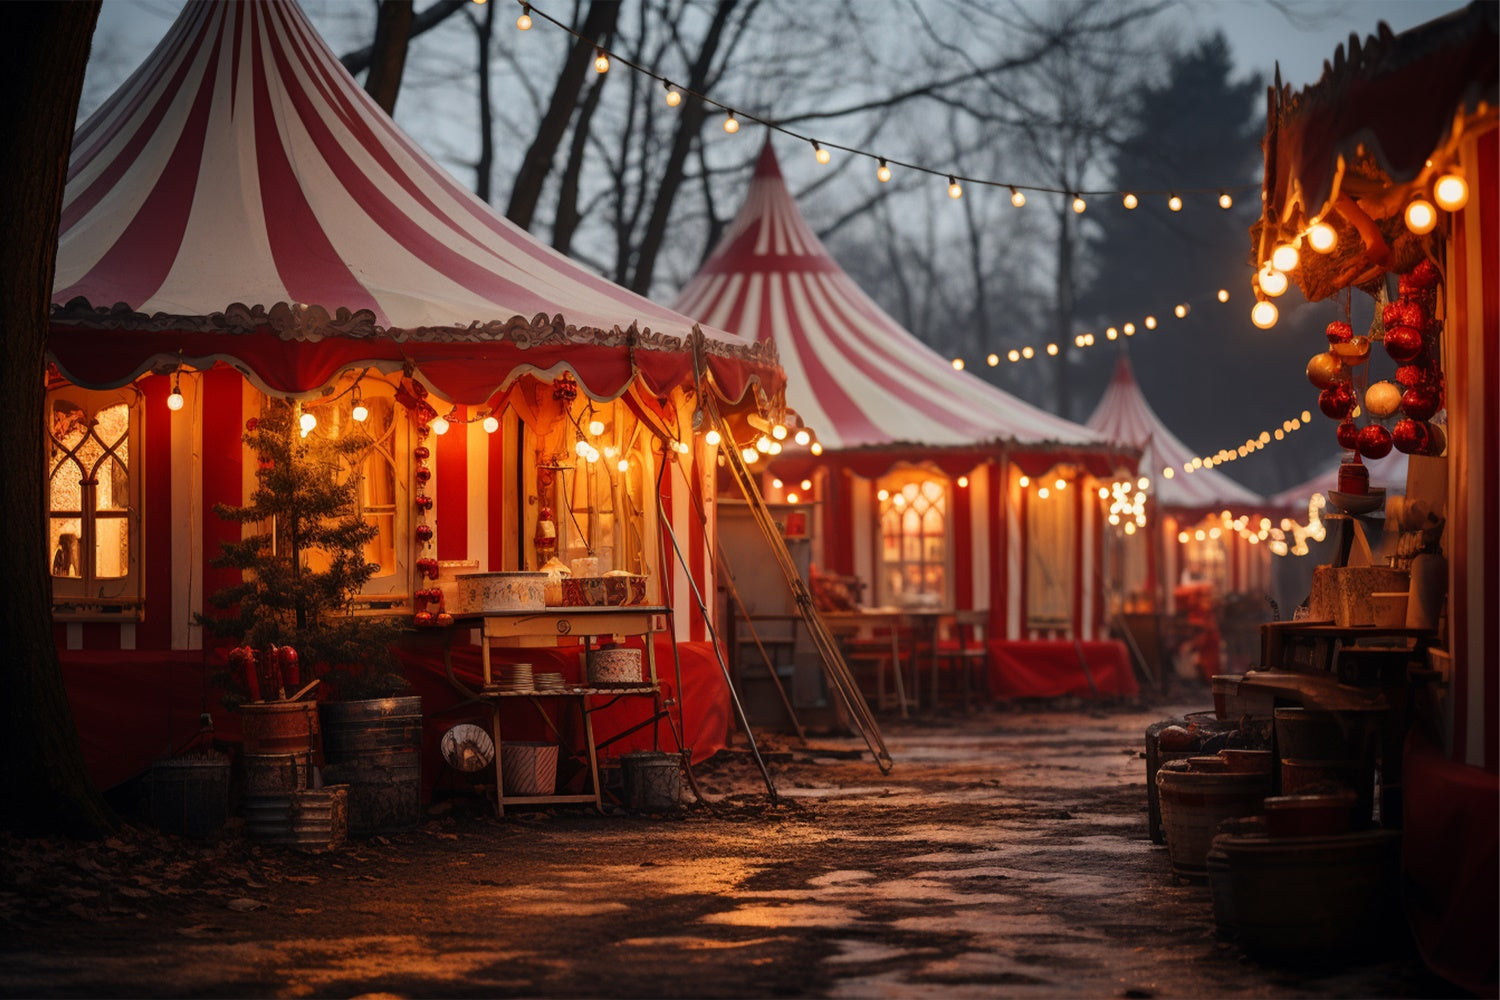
(853, 373)
(240, 198)
(1124, 415)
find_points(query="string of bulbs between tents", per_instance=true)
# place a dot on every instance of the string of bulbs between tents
(821, 149)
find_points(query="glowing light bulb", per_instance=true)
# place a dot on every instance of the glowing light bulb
(958, 364)
(883, 172)
(1079, 204)
(1112, 334)
(1052, 350)
(601, 61)
(1060, 484)
(1225, 202)
(1263, 314)
(1024, 482)
(776, 483)
(307, 422)
(1180, 310)
(731, 123)
(883, 495)
(1271, 281)
(1150, 322)
(992, 360)
(623, 465)
(1027, 352)
(955, 189)
(361, 412)
(1043, 492)
(1128, 329)
(592, 455)
(775, 448)
(1104, 493)
(1017, 198)
(580, 448)
(1285, 257)
(1182, 537)
(791, 498)
(779, 432)
(1421, 217)
(762, 444)
(491, 425)
(674, 96)
(963, 482)
(1322, 237)
(1174, 203)
(1451, 192)
(806, 485)
(523, 23)
(820, 154)
(1015, 355)
(174, 401)
(712, 439)
(802, 437)
(1168, 473)
(596, 427)
(1131, 201)
(439, 425)
(1223, 295)
(817, 448)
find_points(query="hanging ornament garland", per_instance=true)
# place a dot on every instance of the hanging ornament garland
(429, 606)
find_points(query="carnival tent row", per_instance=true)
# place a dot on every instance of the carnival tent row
(242, 223)
(931, 486)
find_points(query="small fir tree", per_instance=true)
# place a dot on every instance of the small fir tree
(307, 505)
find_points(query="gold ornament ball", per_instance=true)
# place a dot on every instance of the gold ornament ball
(1325, 369)
(1382, 399)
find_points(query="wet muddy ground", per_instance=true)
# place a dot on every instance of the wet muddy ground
(1005, 855)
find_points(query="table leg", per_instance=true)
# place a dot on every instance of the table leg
(484, 658)
(896, 669)
(499, 775)
(588, 738)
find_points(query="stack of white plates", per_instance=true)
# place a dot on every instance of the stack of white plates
(516, 677)
(549, 682)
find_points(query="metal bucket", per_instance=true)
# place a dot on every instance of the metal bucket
(374, 746)
(190, 795)
(272, 727)
(276, 774)
(310, 819)
(653, 781)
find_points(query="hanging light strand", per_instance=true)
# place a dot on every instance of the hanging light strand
(1216, 194)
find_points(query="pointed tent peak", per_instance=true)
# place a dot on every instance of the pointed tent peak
(1124, 374)
(767, 165)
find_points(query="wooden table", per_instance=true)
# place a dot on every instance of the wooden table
(544, 628)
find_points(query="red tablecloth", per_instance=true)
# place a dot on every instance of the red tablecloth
(1049, 668)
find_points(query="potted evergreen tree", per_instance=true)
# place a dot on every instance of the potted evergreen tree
(302, 571)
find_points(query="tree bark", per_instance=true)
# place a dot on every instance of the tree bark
(537, 163)
(392, 33)
(484, 30)
(43, 783)
(565, 222)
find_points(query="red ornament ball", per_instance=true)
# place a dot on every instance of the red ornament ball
(252, 423)
(1424, 275)
(422, 618)
(1403, 343)
(1413, 374)
(442, 618)
(1374, 441)
(1411, 437)
(424, 533)
(1336, 401)
(421, 452)
(1339, 332)
(1348, 435)
(1420, 402)
(1404, 314)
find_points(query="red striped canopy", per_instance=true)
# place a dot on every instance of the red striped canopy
(241, 199)
(1124, 416)
(853, 374)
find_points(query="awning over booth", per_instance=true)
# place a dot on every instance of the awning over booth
(1123, 415)
(854, 375)
(241, 199)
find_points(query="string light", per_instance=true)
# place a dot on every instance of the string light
(731, 125)
(174, 401)
(1174, 203)
(1017, 197)
(817, 448)
(1322, 237)
(307, 422)
(778, 432)
(674, 96)
(491, 425)
(820, 154)
(1079, 204)
(1180, 310)
(1451, 192)
(712, 439)
(601, 61)
(596, 427)
(958, 364)
(1263, 314)
(1421, 217)
(1131, 201)
(1271, 281)
(883, 172)
(1226, 202)
(955, 190)
(1223, 295)
(1285, 258)
(802, 437)
(806, 485)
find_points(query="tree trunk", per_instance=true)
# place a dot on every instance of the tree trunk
(1064, 306)
(360, 59)
(43, 783)
(484, 30)
(392, 33)
(689, 124)
(537, 163)
(565, 222)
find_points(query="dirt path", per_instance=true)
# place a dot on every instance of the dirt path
(1005, 855)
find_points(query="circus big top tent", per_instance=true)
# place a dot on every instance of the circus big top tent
(1184, 500)
(932, 487)
(241, 221)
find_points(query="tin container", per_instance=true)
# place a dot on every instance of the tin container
(488, 593)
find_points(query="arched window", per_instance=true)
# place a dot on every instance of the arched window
(914, 547)
(93, 501)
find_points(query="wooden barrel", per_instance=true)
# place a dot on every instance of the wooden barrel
(374, 746)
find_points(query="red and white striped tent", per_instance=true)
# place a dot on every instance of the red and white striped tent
(1182, 499)
(889, 413)
(1389, 117)
(242, 219)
